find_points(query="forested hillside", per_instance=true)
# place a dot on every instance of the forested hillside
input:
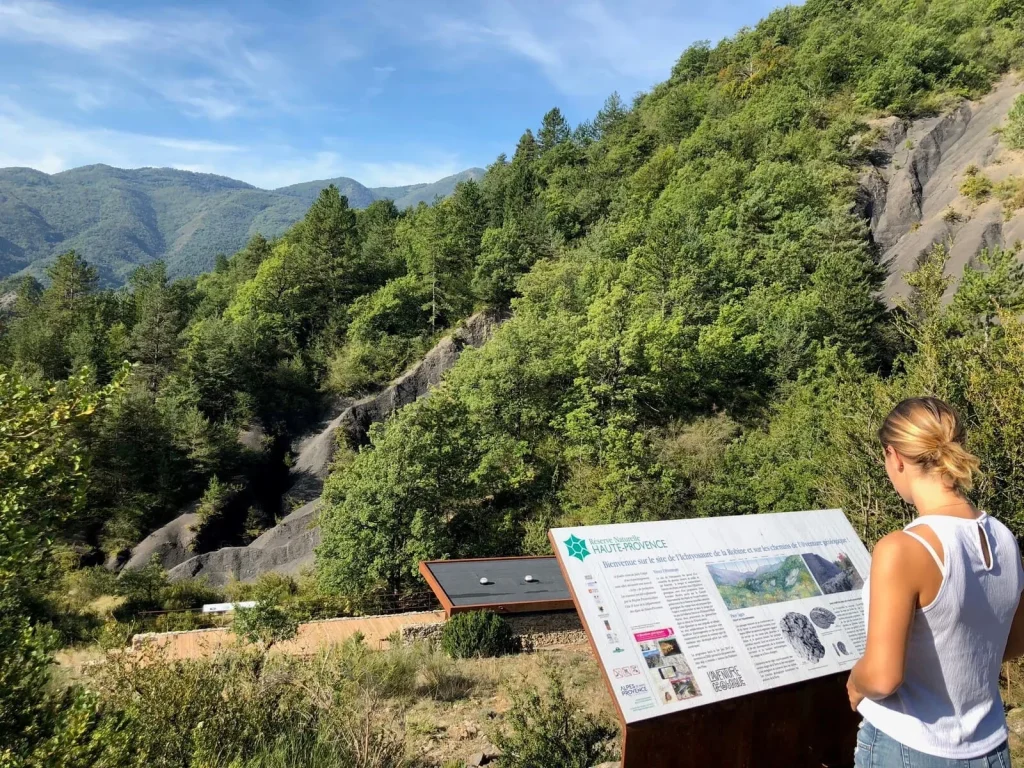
(696, 330)
(702, 334)
(122, 219)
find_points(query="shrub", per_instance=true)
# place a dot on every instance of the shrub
(976, 187)
(115, 634)
(197, 713)
(552, 730)
(183, 622)
(478, 633)
(1011, 192)
(1013, 131)
(264, 624)
(188, 594)
(85, 585)
(384, 673)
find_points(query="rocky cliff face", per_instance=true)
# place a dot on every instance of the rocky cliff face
(170, 545)
(286, 548)
(352, 423)
(289, 547)
(914, 182)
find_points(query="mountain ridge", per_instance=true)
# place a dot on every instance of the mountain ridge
(121, 218)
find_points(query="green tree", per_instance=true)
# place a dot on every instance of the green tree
(264, 624)
(158, 322)
(43, 479)
(1013, 131)
(553, 131)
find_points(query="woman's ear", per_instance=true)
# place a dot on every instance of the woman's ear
(893, 453)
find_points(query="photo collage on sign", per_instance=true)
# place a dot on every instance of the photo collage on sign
(604, 631)
(767, 580)
(669, 672)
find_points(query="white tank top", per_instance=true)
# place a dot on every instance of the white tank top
(949, 704)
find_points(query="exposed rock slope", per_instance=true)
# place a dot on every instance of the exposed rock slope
(170, 545)
(286, 548)
(354, 421)
(915, 181)
(289, 546)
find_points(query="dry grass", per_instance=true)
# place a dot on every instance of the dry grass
(456, 729)
(1011, 192)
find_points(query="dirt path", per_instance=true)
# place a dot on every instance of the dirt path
(311, 637)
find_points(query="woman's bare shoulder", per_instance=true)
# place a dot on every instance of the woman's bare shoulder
(894, 552)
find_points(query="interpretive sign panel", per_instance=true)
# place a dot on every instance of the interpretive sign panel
(689, 612)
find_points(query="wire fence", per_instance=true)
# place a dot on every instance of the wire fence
(372, 605)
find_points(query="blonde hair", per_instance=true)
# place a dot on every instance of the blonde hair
(928, 432)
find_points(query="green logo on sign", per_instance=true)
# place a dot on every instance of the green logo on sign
(576, 547)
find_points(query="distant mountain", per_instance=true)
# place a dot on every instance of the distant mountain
(119, 219)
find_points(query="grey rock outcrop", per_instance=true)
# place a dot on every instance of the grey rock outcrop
(353, 421)
(841, 582)
(801, 635)
(286, 548)
(290, 546)
(7, 302)
(914, 179)
(169, 545)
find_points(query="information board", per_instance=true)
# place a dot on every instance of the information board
(688, 612)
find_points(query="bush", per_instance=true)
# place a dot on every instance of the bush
(196, 713)
(188, 594)
(115, 634)
(478, 633)
(264, 624)
(1011, 192)
(976, 187)
(552, 731)
(354, 666)
(1013, 131)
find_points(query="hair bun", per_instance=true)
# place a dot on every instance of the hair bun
(927, 431)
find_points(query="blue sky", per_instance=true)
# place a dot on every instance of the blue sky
(388, 92)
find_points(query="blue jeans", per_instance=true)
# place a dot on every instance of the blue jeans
(876, 750)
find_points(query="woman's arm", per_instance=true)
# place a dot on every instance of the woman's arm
(893, 600)
(1015, 642)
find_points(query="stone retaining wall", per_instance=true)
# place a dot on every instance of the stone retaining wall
(536, 630)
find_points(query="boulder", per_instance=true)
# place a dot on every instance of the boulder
(253, 438)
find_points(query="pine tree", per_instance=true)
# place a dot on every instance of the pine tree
(553, 131)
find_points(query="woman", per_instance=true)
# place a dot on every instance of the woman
(942, 609)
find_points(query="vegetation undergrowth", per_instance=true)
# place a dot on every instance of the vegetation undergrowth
(697, 331)
(478, 633)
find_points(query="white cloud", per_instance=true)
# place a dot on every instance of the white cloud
(52, 146)
(44, 22)
(195, 145)
(87, 95)
(161, 55)
(579, 45)
(202, 97)
(400, 174)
